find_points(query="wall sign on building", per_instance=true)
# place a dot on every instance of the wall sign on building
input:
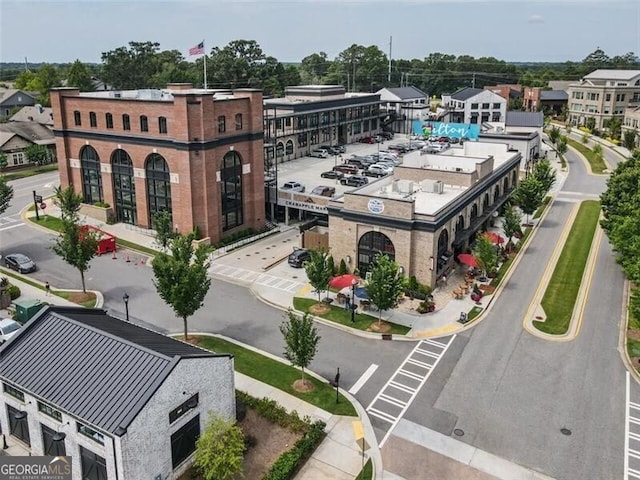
(310, 207)
(375, 205)
(451, 130)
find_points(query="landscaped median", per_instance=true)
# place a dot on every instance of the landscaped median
(562, 290)
(596, 162)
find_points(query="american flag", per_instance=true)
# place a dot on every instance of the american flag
(198, 49)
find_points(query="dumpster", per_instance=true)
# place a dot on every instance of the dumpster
(25, 309)
(106, 241)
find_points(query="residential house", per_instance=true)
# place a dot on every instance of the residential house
(125, 402)
(404, 105)
(16, 137)
(473, 105)
(36, 113)
(551, 102)
(11, 98)
(603, 95)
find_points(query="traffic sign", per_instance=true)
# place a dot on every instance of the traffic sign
(38, 198)
(43, 205)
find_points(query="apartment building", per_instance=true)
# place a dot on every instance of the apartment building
(473, 105)
(603, 95)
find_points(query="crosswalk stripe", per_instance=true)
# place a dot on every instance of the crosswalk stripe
(402, 387)
(406, 373)
(381, 415)
(420, 364)
(392, 400)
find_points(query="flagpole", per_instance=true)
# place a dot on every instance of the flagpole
(205, 67)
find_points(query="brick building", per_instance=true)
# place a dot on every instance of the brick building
(195, 153)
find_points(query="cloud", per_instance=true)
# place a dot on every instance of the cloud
(535, 18)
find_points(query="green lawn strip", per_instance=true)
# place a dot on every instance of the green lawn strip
(473, 313)
(343, 317)
(561, 293)
(596, 162)
(55, 224)
(367, 471)
(633, 348)
(22, 278)
(28, 172)
(280, 376)
(66, 294)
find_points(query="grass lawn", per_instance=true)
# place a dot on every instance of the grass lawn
(340, 315)
(596, 162)
(560, 297)
(367, 471)
(28, 172)
(473, 313)
(55, 224)
(633, 348)
(279, 375)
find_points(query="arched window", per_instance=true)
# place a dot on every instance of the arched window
(144, 123)
(124, 187)
(496, 193)
(280, 149)
(474, 212)
(505, 186)
(485, 202)
(126, 122)
(289, 147)
(231, 191)
(370, 245)
(514, 179)
(158, 186)
(443, 249)
(460, 224)
(91, 177)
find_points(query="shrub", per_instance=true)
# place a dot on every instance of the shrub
(101, 204)
(14, 292)
(417, 290)
(275, 413)
(342, 269)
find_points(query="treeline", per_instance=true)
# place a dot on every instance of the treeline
(243, 63)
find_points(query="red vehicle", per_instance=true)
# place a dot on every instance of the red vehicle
(368, 140)
(346, 168)
(106, 241)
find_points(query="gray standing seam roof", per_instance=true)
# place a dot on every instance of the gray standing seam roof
(96, 367)
(405, 93)
(466, 93)
(554, 95)
(524, 119)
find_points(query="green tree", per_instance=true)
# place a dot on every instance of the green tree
(511, 223)
(628, 139)
(301, 340)
(614, 125)
(220, 450)
(529, 195)
(163, 224)
(75, 245)
(544, 173)
(585, 138)
(6, 194)
(130, 67)
(79, 76)
(38, 154)
(386, 284)
(485, 254)
(181, 278)
(319, 270)
(621, 216)
(236, 65)
(4, 162)
(554, 134)
(561, 146)
(314, 68)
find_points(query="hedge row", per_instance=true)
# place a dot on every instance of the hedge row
(275, 413)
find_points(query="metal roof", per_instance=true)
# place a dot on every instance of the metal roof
(554, 95)
(95, 367)
(524, 119)
(406, 93)
(610, 74)
(466, 93)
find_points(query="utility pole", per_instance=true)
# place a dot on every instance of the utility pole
(389, 75)
(473, 80)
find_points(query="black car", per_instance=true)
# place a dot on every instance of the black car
(298, 257)
(354, 181)
(20, 263)
(332, 174)
(331, 149)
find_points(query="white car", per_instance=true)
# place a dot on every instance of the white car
(384, 166)
(319, 153)
(8, 328)
(293, 187)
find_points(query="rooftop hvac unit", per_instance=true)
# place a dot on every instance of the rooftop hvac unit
(438, 187)
(405, 186)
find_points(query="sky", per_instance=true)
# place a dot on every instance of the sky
(289, 30)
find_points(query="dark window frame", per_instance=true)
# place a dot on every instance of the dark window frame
(50, 411)
(144, 123)
(162, 125)
(182, 409)
(126, 121)
(13, 391)
(93, 120)
(77, 118)
(18, 428)
(124, 186)
(90, 433)
(232, 201)
(183, 441)
(92, 465)
(238, 121)
(158, 185)
(222, 124)
(91, 175)
(108, 118)
(50, 446)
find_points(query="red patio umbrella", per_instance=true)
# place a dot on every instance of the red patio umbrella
(494, 237)
(468, 259)
(342, 281)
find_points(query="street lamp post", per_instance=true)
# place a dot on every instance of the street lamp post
(125, 298)
(354, 282)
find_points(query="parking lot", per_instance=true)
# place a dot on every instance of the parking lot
(307, 170)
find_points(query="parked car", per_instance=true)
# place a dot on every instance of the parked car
(398, 148)
(324, 191)
(8, 328)
(367, 140)
(376, 171)
(20, 263)
(341, 148)
(331, 149)
(358, 163)
(293, 186)
(298, 257)
(354, 181)
(384, 165)
(346, 168)
(333, 174)
(318, 153)
(444, 140)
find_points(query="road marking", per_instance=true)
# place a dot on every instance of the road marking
(11, 226)
(388, 395)
(626, 428)
(363, 379)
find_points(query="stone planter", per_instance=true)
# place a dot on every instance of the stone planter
(203, 241)
(99, 213)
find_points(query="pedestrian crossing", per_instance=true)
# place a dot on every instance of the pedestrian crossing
(10, 221)
(393, 400)
(250, 277)
(632, 440)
